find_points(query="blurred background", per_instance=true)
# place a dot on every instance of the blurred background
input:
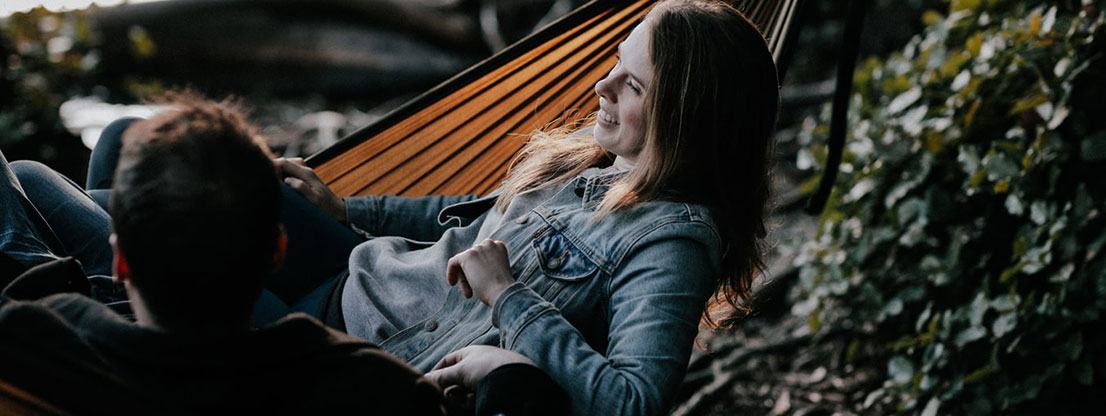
(311, 71)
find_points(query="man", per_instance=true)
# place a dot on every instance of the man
(195, 212)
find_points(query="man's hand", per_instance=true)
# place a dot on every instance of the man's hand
(482, 270)
(304, 180)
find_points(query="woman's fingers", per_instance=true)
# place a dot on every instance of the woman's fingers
(466, 289)
(455, 273)
(483, 271)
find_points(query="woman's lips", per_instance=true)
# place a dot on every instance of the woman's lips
(605, 118)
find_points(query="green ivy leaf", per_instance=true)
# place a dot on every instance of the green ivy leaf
(978, 307)
(999, 166)
(900, 369)
(969, 335)
(931, 407)
(1014, 205)
(990, 109)
(1064, 274)
(1005, 303)
(1004, 324)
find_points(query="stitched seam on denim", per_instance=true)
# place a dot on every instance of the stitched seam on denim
(539, 256)
(696, 218)
(544, 310)
(634, 244)
(377, 211)
(669, 220)
(503, 297)
(592, 254)
(471, 339)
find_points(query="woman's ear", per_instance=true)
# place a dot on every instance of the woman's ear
(281, 250)
(120, 270)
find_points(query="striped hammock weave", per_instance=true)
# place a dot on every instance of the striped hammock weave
(460, 137)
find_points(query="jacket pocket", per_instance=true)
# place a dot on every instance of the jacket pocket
(559, 259)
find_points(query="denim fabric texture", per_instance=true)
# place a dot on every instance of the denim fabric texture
(45, 216)
(24, 235)
(609, 307)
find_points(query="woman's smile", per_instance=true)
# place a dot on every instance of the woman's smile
(605, 117)
(620, 123)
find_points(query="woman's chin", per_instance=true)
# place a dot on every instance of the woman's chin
(603, 140)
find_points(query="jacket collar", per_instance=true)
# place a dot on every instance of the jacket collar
(593, 183)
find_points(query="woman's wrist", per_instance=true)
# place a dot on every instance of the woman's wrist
(497, 291)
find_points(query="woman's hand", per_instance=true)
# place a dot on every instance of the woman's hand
(304, 180)
(482, 269)
(467, 366)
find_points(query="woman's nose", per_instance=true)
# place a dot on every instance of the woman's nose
(603, 89)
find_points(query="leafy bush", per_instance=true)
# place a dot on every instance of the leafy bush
(47, 58)
(965, 241)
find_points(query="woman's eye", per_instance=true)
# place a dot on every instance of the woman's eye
(636, 90)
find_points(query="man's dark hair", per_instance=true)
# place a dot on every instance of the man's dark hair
(195, 207)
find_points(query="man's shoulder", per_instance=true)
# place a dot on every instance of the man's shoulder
(28, 314)
(82, 311)
(34, 332)
(310, 338)
(350, 373)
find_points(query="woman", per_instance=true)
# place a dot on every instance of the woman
(603, 246)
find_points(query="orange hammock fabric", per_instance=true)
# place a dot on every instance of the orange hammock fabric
(460, 137)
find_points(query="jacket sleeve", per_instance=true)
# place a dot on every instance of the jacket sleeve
(653, 316)
(389, 215)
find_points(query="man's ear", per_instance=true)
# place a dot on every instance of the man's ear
(120, 270)
(281, 250)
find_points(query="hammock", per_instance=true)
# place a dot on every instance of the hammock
(459, 137)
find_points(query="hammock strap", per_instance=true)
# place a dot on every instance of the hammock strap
(846, 65)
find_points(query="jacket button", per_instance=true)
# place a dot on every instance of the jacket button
(553, 263)
(430, 326)
(522, 220)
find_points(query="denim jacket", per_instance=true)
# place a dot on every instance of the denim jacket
(608, 306)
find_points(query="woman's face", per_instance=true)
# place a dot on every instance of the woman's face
(620, 125)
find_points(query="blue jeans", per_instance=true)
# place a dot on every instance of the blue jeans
(45, 215)
(318, 246)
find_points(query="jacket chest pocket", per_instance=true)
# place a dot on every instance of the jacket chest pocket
(563, 270)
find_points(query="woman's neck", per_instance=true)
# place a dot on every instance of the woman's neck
(623, 163)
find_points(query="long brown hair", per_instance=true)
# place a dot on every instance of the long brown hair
(711, 113)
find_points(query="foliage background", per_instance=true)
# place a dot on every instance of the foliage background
(963, 247)
(47, 58)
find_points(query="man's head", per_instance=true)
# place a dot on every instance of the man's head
(195, 209)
